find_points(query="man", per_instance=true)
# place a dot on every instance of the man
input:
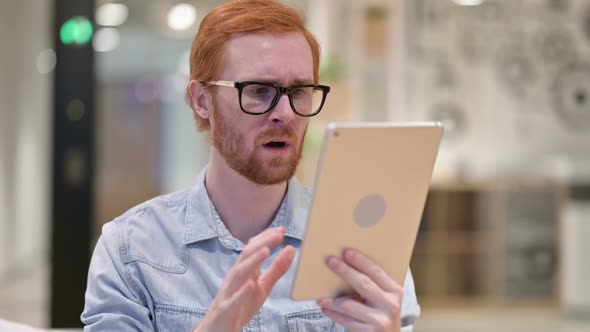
(218, 256)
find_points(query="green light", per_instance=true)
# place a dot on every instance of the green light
(77, 30)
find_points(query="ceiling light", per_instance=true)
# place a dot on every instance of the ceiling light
(111, 14)
(468, 2)
(46, 61)
(106, 40)
(181, 16)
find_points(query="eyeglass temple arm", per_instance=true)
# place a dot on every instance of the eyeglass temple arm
(223, 83)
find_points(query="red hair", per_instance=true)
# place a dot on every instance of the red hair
(241, 16)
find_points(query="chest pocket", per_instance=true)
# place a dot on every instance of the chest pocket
(174, 319)
(311, 321)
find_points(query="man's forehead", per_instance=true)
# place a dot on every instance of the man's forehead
(260, 52)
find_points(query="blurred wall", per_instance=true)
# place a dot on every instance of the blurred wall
(25, 147)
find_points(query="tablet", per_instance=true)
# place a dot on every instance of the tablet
(369, 194)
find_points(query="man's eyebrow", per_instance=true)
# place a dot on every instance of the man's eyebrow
(303, 81)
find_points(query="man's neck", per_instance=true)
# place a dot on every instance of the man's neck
(246, 208)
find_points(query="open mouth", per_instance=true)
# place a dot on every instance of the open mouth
(276, 144)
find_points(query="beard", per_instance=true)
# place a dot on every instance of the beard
(244, 159)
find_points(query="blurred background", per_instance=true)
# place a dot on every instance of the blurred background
(93, 122)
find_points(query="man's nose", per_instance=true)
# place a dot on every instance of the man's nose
(282, 112)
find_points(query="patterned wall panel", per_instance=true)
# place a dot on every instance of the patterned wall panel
(510, 78)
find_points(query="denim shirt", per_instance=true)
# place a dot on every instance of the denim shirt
(159, 266)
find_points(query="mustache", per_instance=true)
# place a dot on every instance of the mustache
(285, 133)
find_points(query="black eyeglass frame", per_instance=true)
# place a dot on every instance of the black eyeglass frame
(240, 85)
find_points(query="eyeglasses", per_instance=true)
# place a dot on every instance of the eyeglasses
(258, 98)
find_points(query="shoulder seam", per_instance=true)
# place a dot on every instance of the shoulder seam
(140, 208)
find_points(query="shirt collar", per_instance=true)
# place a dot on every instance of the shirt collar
(202, 221)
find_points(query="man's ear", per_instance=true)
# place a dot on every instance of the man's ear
(201, 99)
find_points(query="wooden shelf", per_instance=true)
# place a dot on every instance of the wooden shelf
(489, 243)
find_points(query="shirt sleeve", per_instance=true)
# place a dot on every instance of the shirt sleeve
(113, 301)
(410, 307)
